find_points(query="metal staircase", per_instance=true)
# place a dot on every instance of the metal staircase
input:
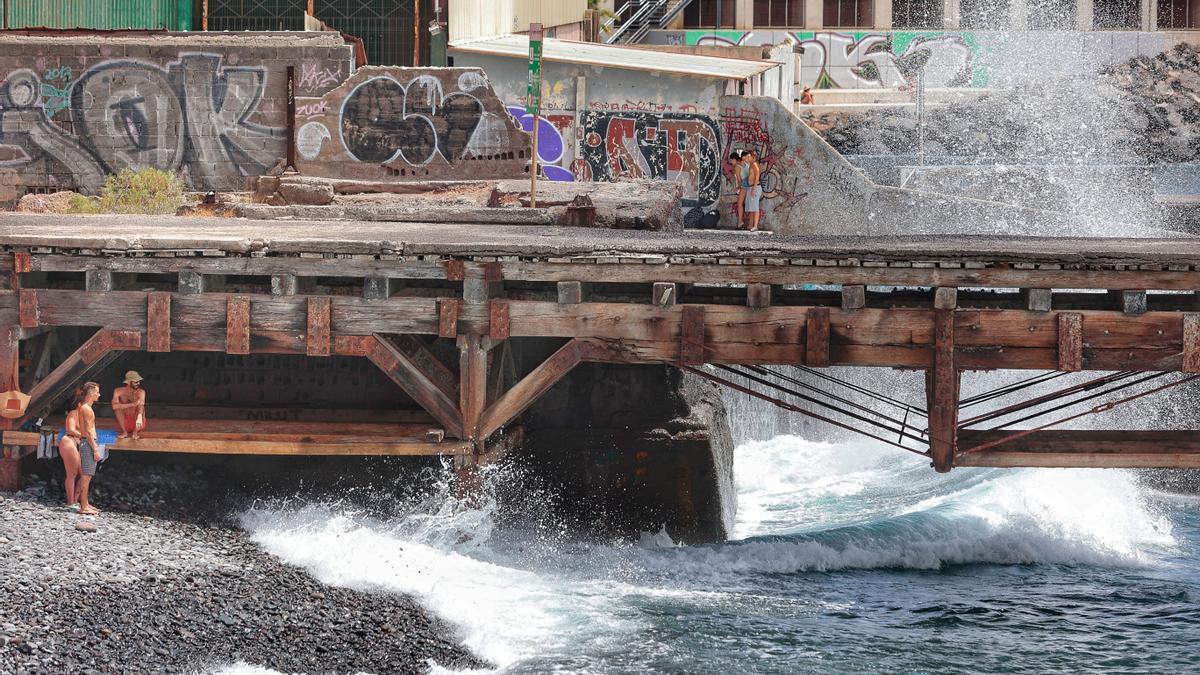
(635, 18)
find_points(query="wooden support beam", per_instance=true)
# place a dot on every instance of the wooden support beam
(1191, 343)
(448, 310)
(1133, 302)
(758, 296)
(285, 284)
(158, 322)
(10, 368)
(854, 297)
(39, 358)
(1070, 342)
(692, 350)
(318, 332)
(816, 337)
(1038, 299)
(478, 291)
(941, 384)
(416, 382)
(1083, 448)
(94, 354)
(442, 377)
(27, 309)
(664, 295)
(237, 324)
(498, 319)
(531, 387)
(192, 283)
(365, 447)
(380, 287)
(573, 292)
(103, 280)
(472, 387)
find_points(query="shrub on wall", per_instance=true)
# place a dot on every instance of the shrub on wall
(146, 191)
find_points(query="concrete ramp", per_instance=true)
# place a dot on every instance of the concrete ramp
(810, 188)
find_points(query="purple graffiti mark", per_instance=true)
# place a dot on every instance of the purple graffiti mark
(550, 144)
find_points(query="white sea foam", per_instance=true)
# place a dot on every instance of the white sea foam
(804, 506)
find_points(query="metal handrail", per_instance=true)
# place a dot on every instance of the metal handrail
(673, 12)
(637, 19)
(616, 16)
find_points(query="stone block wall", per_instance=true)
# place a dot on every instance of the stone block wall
(387, 123)
(212, 107)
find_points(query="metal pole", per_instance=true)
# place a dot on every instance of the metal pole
(533, 167)
(291, 118)
(921, 117)
(416, 33)
(718, 22)
(204, 15)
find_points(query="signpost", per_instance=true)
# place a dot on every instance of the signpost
(533, 103)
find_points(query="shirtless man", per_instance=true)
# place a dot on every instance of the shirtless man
(129, 405)
(89, 447)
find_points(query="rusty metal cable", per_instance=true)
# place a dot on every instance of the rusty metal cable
(1068, 404)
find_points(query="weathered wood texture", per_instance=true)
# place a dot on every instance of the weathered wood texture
(472, 387)
(415, 382)
(499, 323)
(10, 367)
(942, 382)
(692, 347)
(97, 352)
(237, 325)
(365, 447)
(1191, 343)
(1089, 449)
(816, 337)
(448, 310)
(1070, 342)
(318, 336)
(158, 322)
(437, 372)
(529, 389)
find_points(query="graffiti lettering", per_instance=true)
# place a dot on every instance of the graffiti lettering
(313, 76)
(312, 109)
(678, 147)
(632, 106)
(551, 147)
(192, 116)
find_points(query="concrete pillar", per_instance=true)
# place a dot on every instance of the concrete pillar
(1084, 10)
(743, 14)
(952, 14)
(1150, 15)
(882, 12)
(814, 14)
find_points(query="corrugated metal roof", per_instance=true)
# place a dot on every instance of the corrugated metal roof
(611, 56)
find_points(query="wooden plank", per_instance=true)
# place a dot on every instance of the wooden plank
(691, 336)
(367, 447)
(158, 322)
(10, 367)
(529, 389)
(942, 383)
(472, 386)
(854, 297)
(93, 355)
(1191, 343)
(437, 372)
(292, 415)
(302, 268)
(20, 438)
(317, 334)
(991, 277)
(417, 383)
(1070, 342)
(573, 292)
(498, 319)
(28, 308)
(664, 295)
(448, 309)
(816, 337)
(758, 296)
(1084, 448)
(237, 325)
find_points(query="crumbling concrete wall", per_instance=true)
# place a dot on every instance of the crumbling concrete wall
(213, 107)
(410, 124)
(631, 449)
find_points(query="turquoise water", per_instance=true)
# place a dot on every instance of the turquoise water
(846, 558)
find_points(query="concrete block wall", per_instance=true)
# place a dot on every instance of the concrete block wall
(212, 107)
(390, 123)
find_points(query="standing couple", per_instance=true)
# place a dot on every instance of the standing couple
(749, 178)
(79, 448)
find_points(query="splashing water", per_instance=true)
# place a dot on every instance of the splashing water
(843, 554)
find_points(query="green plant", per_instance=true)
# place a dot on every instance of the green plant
(146, 191)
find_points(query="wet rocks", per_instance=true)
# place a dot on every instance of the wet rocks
(152, 594)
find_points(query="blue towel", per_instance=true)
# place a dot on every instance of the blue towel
(103, 436)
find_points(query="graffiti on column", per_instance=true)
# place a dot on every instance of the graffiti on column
(551, 146)
(679, 147)
(859, 59)
(192, 116)
(784, 169)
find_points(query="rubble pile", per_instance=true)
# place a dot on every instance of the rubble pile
(1159, 103)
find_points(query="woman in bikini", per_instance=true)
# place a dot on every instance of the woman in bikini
(89, 448)
(68, 449)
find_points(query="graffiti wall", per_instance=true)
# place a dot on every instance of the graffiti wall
(680, 147)
(865, 59)
(426, 123)
(74, 110)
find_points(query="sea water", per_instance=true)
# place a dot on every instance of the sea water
(845, 557)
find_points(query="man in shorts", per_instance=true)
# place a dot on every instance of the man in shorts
(754, 192)
(129, 406)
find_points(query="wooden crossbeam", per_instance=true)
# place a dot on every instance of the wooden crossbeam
(941, 384)
(10, 367)
(416, 382)
(1085, 449)
(472, 384)
(364, 447)
(529, 389)
(95, 353)
(441, 376)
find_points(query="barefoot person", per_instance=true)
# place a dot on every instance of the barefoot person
(68, 449)
(89, 448)
(129, 405)
(735, 167)
(753, 187)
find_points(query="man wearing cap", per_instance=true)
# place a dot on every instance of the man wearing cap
(129, 405)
